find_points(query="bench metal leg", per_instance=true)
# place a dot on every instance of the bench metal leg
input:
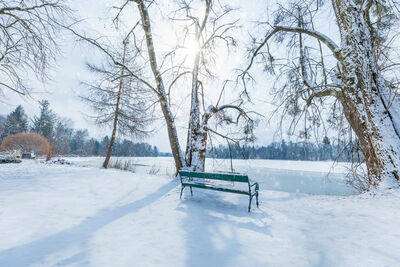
(191, 191)
(180, 197)
(250, 203)
(257, 199)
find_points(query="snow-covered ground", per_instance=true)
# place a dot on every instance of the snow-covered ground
(55, 215)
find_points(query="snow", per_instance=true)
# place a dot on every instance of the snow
(321, 178)
(239, 165)
(57, 215)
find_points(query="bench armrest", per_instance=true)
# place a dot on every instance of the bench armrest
(256, 185)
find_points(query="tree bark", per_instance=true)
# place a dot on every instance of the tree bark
(193, 159)
(197, 132)
(361, 89)
(364, 96)
(162, 97)
(115, 123)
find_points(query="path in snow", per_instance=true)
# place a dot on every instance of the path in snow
(74, 216)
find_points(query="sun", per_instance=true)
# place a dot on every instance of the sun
(192, 47)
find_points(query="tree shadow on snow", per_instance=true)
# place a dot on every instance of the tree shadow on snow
(76, 236)
(212, 225)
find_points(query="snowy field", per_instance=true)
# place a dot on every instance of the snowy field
(56, 215)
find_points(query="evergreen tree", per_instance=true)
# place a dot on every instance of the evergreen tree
(16, 122)
(284, 149)
(155, 153)
(327, 148)
(44, 124)
(78, 142)
(62, 137)
(105, 142)
(2, 123)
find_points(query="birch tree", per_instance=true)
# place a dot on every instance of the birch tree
(360, 77)
(159, 89)
(209, 30)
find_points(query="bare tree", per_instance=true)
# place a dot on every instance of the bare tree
(118, 99)
(28, 32)
(360, 77)
(167, 76)
(210, 30)
(160, 89)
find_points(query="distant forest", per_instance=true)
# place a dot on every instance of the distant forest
(327, 150)
(64, 139)
(68, 141)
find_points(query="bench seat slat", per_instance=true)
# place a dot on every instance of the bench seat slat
(224, 189)
(216, 176)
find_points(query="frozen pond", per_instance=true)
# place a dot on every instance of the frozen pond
(319, 178)
(310, 182)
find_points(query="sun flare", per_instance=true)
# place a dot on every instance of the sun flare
(192, 47)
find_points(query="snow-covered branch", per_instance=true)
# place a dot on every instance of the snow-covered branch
(320, 36)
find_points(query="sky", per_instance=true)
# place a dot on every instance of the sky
(64, 89)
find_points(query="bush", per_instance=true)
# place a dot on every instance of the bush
(155, 169)
(127, 165)
(27, 142)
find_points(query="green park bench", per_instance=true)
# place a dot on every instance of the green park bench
(203, 180)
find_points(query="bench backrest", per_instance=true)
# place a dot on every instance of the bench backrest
(232, 177)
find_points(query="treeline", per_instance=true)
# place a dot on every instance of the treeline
(121, 148)
(64, 139)
(327, 150)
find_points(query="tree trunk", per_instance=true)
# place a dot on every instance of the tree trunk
(114, 131)
(365, 97)
(110, 146)
(115, 123)
(197, 149)
(162, 97)
(194, 140)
